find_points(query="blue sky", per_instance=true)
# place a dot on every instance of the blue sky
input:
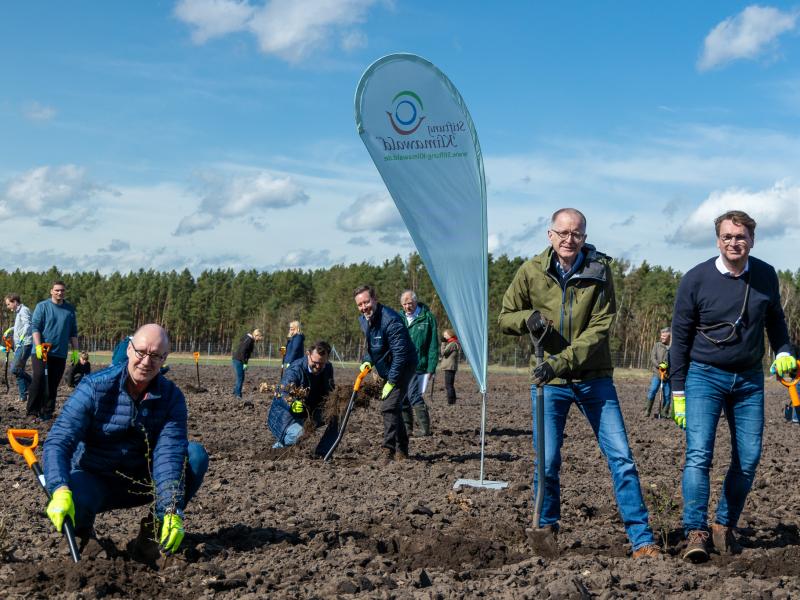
(220, 133)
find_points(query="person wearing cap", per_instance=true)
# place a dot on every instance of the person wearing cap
(79, 370)
(241, 357)
(659, 361)
(722, 308)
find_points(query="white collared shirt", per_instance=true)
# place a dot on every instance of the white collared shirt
(724, 270)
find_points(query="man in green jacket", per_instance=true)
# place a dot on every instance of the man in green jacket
(570, 284)
(422, 328)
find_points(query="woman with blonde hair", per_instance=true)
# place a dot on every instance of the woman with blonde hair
(294, 343)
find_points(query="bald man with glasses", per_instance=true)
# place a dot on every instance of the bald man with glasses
(722, 308)
(570, 285)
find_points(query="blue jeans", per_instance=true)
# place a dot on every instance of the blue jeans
(654, 385)
(709, 393)
(21, 356)
(238, 367)
(290, 436)
(93, 493)
(597, 400)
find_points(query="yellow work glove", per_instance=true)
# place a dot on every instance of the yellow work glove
(244, 367)
(171, 533)
(365, 365)
(296, 406)
(39, 351)
(784, 365)
(8, 331)
(679, 406)
(387, 389)
(662, 366)
(74, 357)
(60, 506)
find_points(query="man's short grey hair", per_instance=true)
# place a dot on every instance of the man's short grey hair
(573, 211)
(666, 330)
(412, 292)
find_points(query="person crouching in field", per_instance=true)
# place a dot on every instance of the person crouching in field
(121, 434)
(79, 370)
(305, 385)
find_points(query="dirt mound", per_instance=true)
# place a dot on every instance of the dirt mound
(281, 523)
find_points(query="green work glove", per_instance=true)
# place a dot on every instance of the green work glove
(365, 365)
(39, 351)
(662, 366)
(244, 367)
(679, 406)
(74, 357)
(60, 506)
(7, 331)
(296, 406)
(171, 533)
(784, 365)
(285, 365)
(387, 389)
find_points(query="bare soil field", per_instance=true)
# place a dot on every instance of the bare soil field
(283, 524)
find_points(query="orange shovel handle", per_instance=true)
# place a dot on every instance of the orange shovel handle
(8, 344)
(45, 350)
(196, 357)
(26, 450)
(792, 385)
(360, 378)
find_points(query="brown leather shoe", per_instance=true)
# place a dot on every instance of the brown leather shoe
(725, 540)
(697, 546)
(648, 551)
(400, 455)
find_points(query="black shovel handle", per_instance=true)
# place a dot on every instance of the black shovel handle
(67, 528)
(347, 412)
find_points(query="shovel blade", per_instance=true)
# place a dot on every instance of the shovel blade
(328, 438)
(543, 541)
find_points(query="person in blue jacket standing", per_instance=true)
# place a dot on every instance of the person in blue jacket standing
(310, 375)
(294, 344)
(121, 432)
(392, 354)
(54, 323)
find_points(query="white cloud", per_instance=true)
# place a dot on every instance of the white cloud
(749, 34)
(117, 245)
(304, 259)
(290, 29)
(61, 197)
(240, 196)
(371, 212)
(34, 111)
(776, 211)
(214, 18)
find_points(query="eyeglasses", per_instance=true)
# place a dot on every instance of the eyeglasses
(151, 355)
(575, 235)
(728, 239)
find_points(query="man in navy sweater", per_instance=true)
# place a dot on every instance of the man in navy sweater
(721, 310)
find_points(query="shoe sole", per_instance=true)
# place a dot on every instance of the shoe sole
(696, 555)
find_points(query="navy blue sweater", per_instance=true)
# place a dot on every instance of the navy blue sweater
(389, 347)
(707, 297)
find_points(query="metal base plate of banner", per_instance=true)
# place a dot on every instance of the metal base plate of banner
(491, 485)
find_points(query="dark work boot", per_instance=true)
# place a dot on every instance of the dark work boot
(423, 419)
(649, 407)
(408, 419)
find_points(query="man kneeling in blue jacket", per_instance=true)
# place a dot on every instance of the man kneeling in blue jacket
(312, 374)
(121, 433)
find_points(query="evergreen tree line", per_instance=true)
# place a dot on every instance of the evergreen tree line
(210, 312)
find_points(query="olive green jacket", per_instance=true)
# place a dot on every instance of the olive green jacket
(582, 313)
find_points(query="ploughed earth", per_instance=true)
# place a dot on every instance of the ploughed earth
(283, 524)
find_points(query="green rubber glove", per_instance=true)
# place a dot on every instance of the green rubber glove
(679, 406)
(39, 351)
(244, 367)
(74, 357)
(387, 389)
(60, 506)
(296, 406)
(784, 365)
(662, 366)
(171, 533)
(365, 365)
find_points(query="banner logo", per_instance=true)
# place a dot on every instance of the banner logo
(406, 116)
